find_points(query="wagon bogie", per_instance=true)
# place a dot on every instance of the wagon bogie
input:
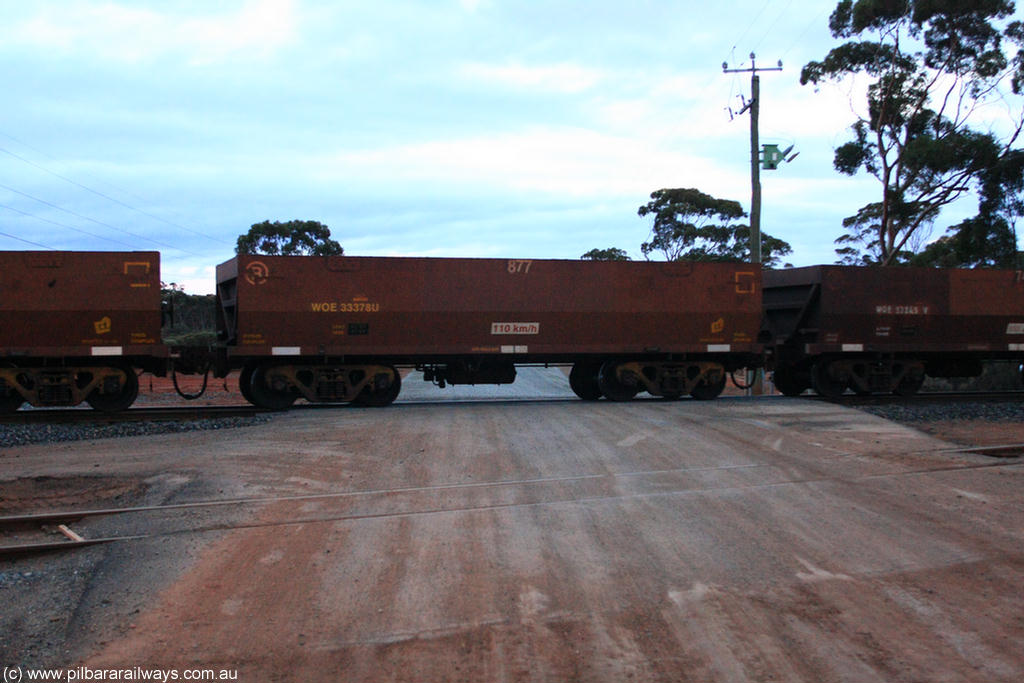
(276, 386)
(107, 388)
(668, 379)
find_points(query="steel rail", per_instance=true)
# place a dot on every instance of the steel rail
(924, 398)
(154, 414)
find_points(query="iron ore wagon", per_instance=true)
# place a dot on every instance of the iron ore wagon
(885, 329)
(339, 328)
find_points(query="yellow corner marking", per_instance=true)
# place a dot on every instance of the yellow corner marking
(744, 282)
(134, 265)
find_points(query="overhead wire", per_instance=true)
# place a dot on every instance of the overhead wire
(106, 196)
(747, 31)
(93, 220)
(800, 37)
(68, 227)
(21, 239)
(731, 58)
(752, 22)
(772, 26)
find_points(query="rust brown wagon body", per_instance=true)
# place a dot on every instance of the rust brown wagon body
(335, 328)
(75, 326)
(885, 329)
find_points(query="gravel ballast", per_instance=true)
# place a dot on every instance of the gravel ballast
(911, 413)
(24, 434)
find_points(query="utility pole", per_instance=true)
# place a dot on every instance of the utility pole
(754, 105)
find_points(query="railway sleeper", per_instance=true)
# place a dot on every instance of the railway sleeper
(701, 379)
(367, 384)
(109, 389)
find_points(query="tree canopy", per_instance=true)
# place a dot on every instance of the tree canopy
(291, 238)
(931, 66)
(691, 225)
(609, 254)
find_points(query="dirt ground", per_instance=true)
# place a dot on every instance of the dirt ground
(763, 539)
(159, 391)
(976, 432)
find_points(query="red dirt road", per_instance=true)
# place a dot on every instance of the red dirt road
(736, 540)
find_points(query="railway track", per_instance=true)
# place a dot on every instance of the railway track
(191, 413)
(83, 415)
(48, 531)
(925, 398)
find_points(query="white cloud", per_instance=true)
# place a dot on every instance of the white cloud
(470, 5)
(564, 78)
(124, 33)
(195, 276)
(555, 161)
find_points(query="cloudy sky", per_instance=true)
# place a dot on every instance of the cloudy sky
(446, 128)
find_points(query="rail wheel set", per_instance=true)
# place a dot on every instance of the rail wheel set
(81, 326)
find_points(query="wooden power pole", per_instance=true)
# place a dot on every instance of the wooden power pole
(754, 105)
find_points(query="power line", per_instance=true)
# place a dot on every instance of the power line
(93, 220)
(752, 22)
(34, 244)
(105, 196)
(68, 227)
(768, 31)
(803, 33)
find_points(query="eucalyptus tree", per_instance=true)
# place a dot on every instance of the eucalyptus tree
(290, 238)
(609, 254)
(694, 226)
(933, 68)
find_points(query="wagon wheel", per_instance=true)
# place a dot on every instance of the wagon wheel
(245, 382)
(120, 400)
(908, 385)
(372, 397)
(265, 396)
(789, 382)
(706, 390)
(11, 402)
(10, 398)
(611, 386)
(825, 383)
(583, 380)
